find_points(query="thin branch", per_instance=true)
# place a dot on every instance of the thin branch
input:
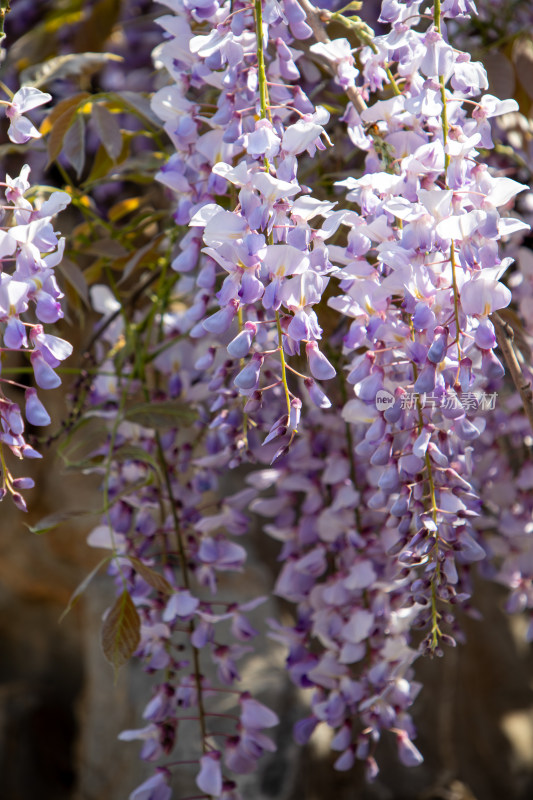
(316, 19)
(505, 337)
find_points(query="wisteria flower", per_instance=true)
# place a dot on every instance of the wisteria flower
(20, 129)
(209, 779)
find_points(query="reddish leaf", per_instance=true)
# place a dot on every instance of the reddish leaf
(59, 121)
(74, 144)
(152, 578)
(69, 104)
(121, 632)
(108, 130)
(73, 274)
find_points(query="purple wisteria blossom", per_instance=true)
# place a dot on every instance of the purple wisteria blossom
(29, 296)
(340, 351)
(21, 130)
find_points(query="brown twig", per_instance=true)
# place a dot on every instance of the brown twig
(505, 336)
(316, 19)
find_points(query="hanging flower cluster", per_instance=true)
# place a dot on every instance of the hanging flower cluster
(259, 235)
(377, 509)
(272, 258)
(30, 296)
(161, 482)
(420, 278)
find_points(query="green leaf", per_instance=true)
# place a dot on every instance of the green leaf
(98, 24)
(104, 166)
(139, 169)
(166, 414)
(51, 521)
(107, 248)
(121, 632)
(124, 207)
(152, 578)
(72, 64)
(41, 39)
(129, 452)
(128, 491)
(147, 253)
(77, 593)
(136, 103)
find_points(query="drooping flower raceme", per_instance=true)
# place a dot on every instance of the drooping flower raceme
(377, 507)
(421, 277)
(30, 299)
(275, 264)
(263, 246)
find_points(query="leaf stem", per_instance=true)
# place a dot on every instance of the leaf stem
(242, 363)
(264, 100)
(261, 72)
(283, 365)
(445, 132)
(435, 616)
